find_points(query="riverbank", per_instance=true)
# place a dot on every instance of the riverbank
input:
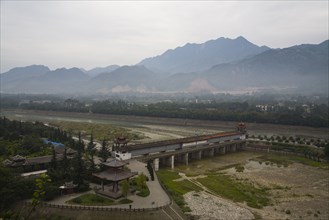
(187, 127)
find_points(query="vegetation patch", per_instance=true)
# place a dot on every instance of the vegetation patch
(235, 190)
(279, 160)
(99, 131)
(239, 168)
(309, 162)
(286, 160)
(125, 201)
(144, 192)
(91, 200)
(177, 188)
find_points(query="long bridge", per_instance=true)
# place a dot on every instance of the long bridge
(167, 153)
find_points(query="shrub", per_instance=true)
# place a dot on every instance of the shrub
(77, 200)
(150, 169)
(51, 192)
(144, 192)
(83, 187)
(125, 201)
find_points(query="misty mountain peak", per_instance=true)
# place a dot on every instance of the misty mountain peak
(19, 73)
(199, 57)
(299, 68)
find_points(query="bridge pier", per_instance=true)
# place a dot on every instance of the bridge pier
(196, 155)
(222, 150)
(209, 153)
(185, 158)
(233, 148)
(182, 158)
(156, 164)
(171, 161)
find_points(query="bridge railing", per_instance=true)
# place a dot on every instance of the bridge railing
(188, 150)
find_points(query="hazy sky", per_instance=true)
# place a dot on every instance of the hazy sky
(100, 33)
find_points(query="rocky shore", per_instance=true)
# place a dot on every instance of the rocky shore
(206, 206)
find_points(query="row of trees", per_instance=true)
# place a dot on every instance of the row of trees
(306, 150)
(226, 111)
(292, 140)
(25, 138)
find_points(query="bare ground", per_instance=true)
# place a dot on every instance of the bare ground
(186, 127)
(297, 191)
(302, 191)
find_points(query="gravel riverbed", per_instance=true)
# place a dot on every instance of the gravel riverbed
(206, 206)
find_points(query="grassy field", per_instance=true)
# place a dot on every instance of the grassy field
(99, 131)
(222, 185)
(177, 188)
(237, 191)
(285, 160)
(95, 200)
(279, 186)
(91, 199)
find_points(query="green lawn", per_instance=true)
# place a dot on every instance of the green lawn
(99, 131)
(309, 162)
(285, 160)
(125, 201)
(144, 192)
(236, 191)
(177, 188)
(91, 199)
(96, 200)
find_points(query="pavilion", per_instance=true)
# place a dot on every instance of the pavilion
(114, 172)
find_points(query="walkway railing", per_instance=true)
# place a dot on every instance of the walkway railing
(98, 208)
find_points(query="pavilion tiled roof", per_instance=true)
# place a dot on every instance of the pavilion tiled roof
(115, 175)
(42, 160)
(114, 163)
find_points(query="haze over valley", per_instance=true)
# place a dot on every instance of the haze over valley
(171, 110)
(215, 66)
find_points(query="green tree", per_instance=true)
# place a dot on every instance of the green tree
(53, 162)
(65, 165)
(326, 150)
(125, 188)
(104, 153)
(91, 151)
(13, 188)
(141, 181)
(78, 164)
(39, 192)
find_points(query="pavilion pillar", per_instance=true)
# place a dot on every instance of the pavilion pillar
(102, 184)
(156, 164)
(115, 187)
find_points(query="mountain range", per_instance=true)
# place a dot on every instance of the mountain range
(199, 57)
(222, 65)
